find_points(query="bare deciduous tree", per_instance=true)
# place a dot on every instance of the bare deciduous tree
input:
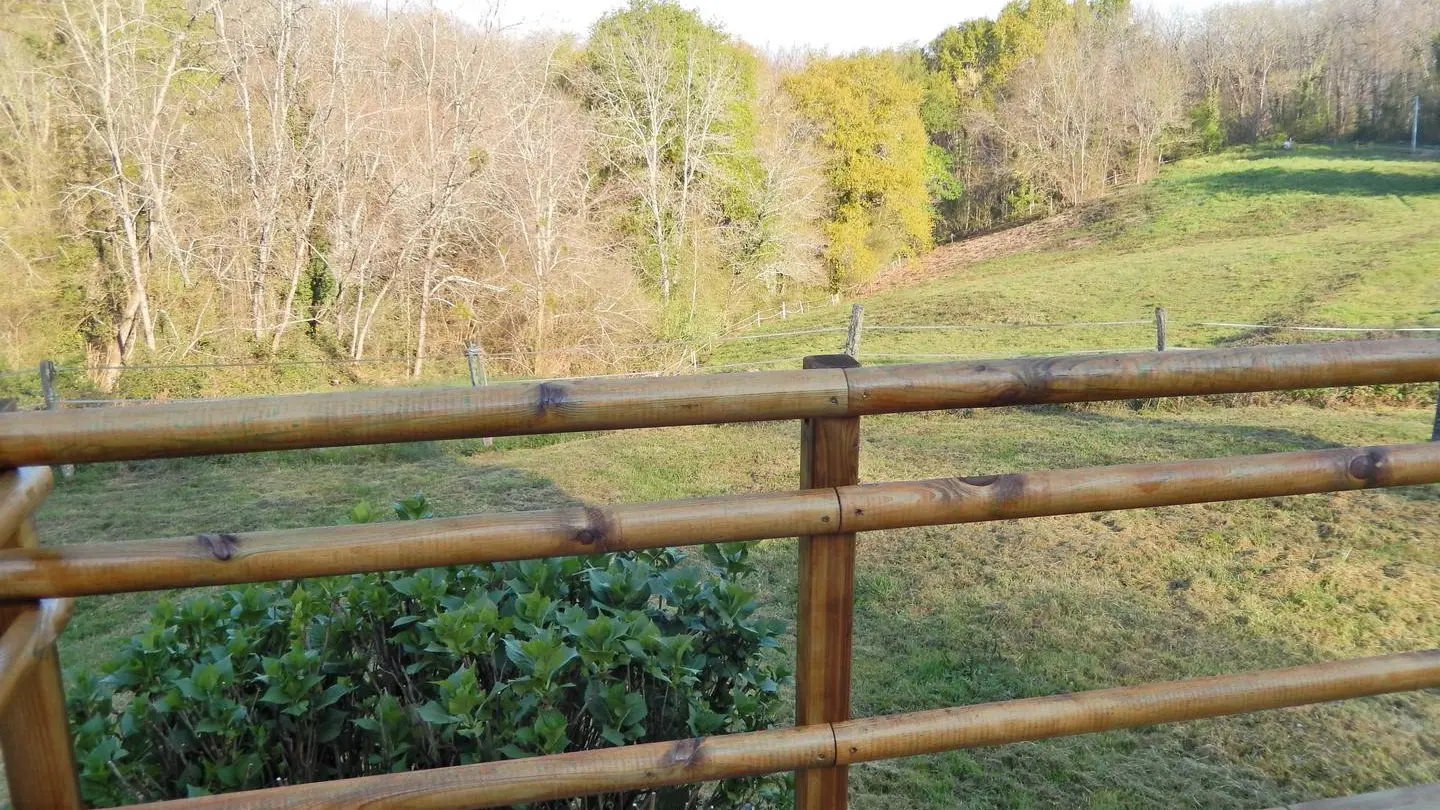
(123, 93)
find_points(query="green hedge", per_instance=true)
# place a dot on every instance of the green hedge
(347, 676)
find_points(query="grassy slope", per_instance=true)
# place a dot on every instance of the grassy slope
(1319, 236)
(951, 615)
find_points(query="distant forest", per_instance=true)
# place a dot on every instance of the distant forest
(186, 182)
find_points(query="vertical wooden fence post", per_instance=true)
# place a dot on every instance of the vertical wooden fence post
(852, 339)
(829, 457)
(1159, 329)
(34, 726)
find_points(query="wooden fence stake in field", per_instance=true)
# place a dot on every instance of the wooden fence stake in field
(829, 457)
(52, 402)
(474, 358)
(1159, 329)
(1435, 430)
(852, 339)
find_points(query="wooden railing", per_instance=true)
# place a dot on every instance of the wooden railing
(830, 394)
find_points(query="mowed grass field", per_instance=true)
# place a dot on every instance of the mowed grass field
(956, 615)
(1335, 237)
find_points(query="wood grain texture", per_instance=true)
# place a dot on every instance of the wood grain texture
(218, 559)
(214, 557)
(34, 724)
(21, 491)
(1126, 707)
(972, 499)
(498, 784)
(501, 784)
(825, 617)
(28, 639)
(1092, 378)
(407, 415)
(373, 417)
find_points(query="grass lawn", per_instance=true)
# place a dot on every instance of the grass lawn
(1319, 236)
(955, 615)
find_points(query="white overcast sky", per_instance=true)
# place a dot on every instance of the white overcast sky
(836, 25)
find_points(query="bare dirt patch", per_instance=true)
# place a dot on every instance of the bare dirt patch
(946, 260)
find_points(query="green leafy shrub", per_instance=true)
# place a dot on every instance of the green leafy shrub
(346, 676)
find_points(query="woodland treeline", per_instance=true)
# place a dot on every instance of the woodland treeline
(197, 180)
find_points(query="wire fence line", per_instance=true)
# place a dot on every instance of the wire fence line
(689, 361)
(1286, 327)
(983, 326)
(502, 355)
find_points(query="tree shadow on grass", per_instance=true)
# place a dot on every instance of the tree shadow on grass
(1279, 179)
(258, 492)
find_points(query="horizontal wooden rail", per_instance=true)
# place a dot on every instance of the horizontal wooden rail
(218, 559)
(1131, 375)
(498, 784)
(1040, 718)
(373, 417)
(21, 491)
(31, 632)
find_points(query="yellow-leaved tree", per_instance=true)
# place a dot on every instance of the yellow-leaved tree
(867, 116)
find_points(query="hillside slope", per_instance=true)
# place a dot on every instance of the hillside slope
(1319, 236)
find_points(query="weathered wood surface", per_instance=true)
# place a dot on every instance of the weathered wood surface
(1087, 712)
(373, 417)
(28, 640)
(1132, 375)
(376, 417)
(654, 764)
(1418, 797)
(401, 415)
(217, 558)
(824, 625)
(34, 724)
(868, 507)
(21, 491)
(501, 784)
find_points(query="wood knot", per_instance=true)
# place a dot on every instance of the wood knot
(599, 528)
(220, 546)
(685, 753)
(1373, 467)
(552, 395)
